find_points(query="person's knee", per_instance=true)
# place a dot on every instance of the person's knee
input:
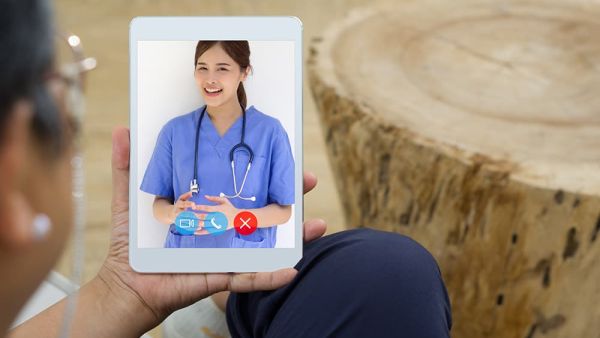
(378, 256)
(355, 283)
(389, 275)
(382, 250)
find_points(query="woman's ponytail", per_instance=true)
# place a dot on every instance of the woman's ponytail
(241, 94)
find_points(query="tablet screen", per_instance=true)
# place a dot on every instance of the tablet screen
(215, 136)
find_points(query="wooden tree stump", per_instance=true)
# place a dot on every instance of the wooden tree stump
(475, 129)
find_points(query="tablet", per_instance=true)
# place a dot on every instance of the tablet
(216, 144)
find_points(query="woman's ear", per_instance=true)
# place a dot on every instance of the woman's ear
(245, 73)
(16, 214)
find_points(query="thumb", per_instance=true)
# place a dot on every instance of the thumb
(186, 196)
(120, 176)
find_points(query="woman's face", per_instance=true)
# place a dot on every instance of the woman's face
(218, 76)
(36, 182)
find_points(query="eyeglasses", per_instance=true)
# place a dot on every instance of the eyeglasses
(71, 68)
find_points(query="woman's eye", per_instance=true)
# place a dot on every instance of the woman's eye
(223, 69)
(201, 68)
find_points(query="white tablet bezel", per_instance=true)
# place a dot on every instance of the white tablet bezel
(267, 28)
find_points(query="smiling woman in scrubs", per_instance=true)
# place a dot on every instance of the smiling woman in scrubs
(221, 67)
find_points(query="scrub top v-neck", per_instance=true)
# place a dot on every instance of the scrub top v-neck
(270, 179)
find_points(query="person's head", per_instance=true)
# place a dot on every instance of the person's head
(221, 67)
(35, 150)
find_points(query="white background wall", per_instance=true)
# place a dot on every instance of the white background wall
(166, 88)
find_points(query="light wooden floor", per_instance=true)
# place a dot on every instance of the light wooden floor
(103, 27)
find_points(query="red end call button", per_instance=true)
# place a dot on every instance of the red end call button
(245, 223)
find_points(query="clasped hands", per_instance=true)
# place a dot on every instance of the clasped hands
(223, 205)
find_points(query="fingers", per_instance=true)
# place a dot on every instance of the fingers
(201, 231)
(186, 204)
(309, 180)
(185, 196)
(258, 281)
(120, 175)
(313, 229)
(217, 199)
(206, 208)
(201, 217)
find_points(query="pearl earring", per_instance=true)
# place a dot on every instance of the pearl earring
(41, 226)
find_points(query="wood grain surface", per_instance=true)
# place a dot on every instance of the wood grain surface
(474, 127)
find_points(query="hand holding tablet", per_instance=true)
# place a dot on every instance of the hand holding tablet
(160, 294)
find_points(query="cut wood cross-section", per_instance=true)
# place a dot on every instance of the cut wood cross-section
(475, 129)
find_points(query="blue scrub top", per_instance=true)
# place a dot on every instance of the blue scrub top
(270, 179)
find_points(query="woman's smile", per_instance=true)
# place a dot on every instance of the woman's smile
(212, 92)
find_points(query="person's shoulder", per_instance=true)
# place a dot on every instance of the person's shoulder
(180, 120)
(266, 121)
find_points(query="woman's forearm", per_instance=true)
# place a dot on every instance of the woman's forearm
(162, 209)
(99, 313)
(272, 214)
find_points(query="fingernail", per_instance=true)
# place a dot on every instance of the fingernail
(41, 226)
(316, 220)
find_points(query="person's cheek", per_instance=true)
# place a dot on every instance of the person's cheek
(56, 201)
(198, 84)
(200, 80)
(233, 85)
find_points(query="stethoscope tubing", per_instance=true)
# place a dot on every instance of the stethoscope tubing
(241, 145)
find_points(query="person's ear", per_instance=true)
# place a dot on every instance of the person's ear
(17, 217)
(245, 73)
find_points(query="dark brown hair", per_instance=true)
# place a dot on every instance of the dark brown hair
(239, 51)
(26, 42)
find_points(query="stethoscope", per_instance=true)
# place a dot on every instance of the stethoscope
(241, 146)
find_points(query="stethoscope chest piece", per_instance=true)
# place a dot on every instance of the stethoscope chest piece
(194, 186)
